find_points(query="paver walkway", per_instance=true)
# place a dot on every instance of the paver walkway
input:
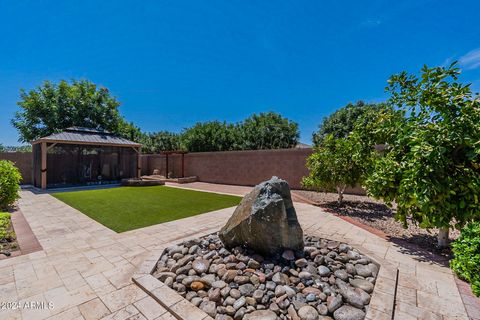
(84, 268)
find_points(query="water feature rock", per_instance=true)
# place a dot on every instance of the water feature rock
(240, 282)
(265, 220)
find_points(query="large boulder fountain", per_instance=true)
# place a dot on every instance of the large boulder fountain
(260, 266)
(265, 221)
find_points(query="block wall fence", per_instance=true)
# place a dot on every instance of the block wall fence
(246, 168)
(23, 161)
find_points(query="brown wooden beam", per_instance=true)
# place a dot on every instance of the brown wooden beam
(135, 145)
(51, 146)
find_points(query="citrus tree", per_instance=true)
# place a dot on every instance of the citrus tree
(331, 166)
(431, 165)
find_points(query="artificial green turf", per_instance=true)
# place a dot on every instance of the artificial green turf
(127, 208)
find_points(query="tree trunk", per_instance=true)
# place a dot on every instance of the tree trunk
(442, 238)
(340, 191)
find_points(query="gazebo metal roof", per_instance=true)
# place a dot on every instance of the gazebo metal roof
(81, 135)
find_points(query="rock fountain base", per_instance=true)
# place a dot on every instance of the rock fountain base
(260, 266)
(328, 279)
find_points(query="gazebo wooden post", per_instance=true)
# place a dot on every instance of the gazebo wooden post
(44, 165)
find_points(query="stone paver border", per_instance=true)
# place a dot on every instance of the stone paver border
(470, 301)
(381, 307)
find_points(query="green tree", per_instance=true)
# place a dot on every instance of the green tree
(342, 122)
(209, 136)
(331, 166)
(2, 148)
(130, 131)
(431, 167)
(267, 131)
(53, 107)
(161, 141)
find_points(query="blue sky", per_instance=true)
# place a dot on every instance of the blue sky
(173, 63)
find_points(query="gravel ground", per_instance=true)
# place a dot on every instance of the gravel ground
(375, 214)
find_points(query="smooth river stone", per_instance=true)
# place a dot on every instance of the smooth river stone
(365, 285)
(200, 265)
(348, 313)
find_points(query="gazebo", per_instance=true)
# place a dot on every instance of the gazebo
(84, 156)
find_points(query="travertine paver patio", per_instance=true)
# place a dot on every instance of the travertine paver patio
(85, 269)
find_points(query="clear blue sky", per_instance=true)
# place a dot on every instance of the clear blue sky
(173, 63)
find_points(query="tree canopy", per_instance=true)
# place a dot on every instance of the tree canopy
(342, 122)
(209, 136)
(267, 131)
(156, 142)
(52, 107)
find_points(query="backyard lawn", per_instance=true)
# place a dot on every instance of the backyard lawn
(127, 208)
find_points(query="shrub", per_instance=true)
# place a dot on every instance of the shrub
(466, 262)
(6, 233)
(9, 183)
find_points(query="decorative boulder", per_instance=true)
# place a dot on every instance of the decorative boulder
(265, 220)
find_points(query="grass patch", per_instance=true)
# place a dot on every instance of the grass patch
(127, 208)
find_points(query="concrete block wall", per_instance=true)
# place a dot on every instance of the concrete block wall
(23, 161)
(246, 168)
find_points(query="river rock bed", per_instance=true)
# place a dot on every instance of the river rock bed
(328, 280)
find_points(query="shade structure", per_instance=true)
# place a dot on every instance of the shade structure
(84, 156)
